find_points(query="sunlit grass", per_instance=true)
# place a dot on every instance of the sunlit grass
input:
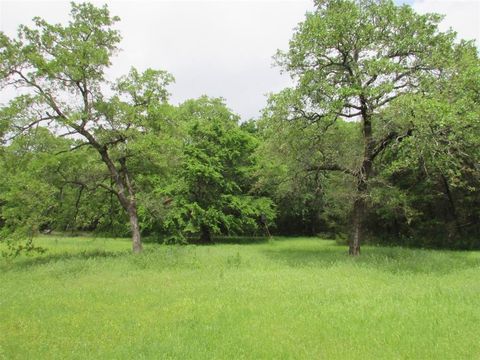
(284, 299)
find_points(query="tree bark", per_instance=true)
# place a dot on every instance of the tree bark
(132, 207)
(357, 235)
(363, 174)
(136, 237)
(125, 193)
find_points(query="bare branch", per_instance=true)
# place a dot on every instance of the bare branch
(388, 139)
(349, 115)
(73, 148)
(91, 188)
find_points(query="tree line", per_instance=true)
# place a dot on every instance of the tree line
(377, 140)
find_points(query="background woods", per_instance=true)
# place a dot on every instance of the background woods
(377, 140)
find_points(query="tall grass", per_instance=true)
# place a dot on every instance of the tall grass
(284, 299)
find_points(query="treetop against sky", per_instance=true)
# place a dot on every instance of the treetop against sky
(222, 48)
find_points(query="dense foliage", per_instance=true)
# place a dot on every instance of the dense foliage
(212, 192)
(377, 140)
(412, 93)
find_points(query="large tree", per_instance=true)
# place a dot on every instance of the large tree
(213, 192)
(350, 59)
(58, 72)
(311, 202)
(429, 183)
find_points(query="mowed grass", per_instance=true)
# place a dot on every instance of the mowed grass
(283, 299)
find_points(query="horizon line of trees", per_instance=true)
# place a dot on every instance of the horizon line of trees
(378, 139)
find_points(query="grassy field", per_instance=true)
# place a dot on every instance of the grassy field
(284, 299)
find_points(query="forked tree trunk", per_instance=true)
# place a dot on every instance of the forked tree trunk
(125, 193)
(119, 175)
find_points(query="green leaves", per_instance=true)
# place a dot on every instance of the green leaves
(381, 94)
(212, 193)
(145, 88)
(346, 50)
(80, 50)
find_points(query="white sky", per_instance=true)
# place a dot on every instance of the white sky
(218, 48)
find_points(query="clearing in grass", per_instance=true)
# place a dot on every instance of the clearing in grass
(286, 298)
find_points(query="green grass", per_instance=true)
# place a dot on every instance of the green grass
(284, 299)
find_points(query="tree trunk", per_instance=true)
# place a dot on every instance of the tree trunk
(136, 239)
(205, 236)
(357, 233)
(364, 173)
(451, 212)
(126, 195)
(125, 191)
(130, 206)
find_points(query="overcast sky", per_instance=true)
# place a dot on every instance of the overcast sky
(218, 48)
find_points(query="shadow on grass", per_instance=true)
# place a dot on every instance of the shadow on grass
(250, 240)
(224, 240)
(48, 258)
(241, 240)
(393, 260)
(233, 240)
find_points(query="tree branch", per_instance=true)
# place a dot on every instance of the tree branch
(388, 139)
(73, 148)
(332, 167)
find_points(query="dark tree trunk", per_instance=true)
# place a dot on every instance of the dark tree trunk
(363, 174)
(358, 213)
(263, 222)
(452, 212)
(205, 235)
(357, 233)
